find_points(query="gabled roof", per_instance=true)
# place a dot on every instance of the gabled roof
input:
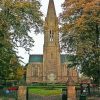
(39, 58)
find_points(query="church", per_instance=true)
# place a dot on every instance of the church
(51, 66)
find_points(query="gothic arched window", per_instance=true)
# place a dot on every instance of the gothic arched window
(51, 35)
(35, 71)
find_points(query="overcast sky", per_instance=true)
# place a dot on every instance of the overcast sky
(38, 45)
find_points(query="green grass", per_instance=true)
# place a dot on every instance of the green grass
(44, 91)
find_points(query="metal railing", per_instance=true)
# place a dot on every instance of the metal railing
(8, 95)
(37, 97)
(93, 93)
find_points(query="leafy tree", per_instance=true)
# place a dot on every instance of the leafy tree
(20, 72)
(17, 17)
(81, 34)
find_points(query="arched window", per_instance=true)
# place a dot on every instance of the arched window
(35, 71)
(51, 35)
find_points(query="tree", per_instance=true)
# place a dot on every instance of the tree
(19, 72)
(81, 34)
(17, 17)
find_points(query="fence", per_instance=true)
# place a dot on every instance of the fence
(91, 93)
(37, 97)
(8, 93)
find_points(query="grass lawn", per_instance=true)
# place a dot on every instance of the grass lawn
(44, 91)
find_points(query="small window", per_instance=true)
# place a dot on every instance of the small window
(51, 35)
(51, 55)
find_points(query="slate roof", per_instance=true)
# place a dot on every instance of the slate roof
(36, 58)
(39, 58)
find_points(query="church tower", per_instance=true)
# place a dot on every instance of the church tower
(51, 49)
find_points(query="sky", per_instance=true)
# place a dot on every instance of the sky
(39, 38)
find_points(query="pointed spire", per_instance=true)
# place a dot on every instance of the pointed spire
(51, 8)
(51, 13)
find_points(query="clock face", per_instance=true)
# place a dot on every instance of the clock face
(51, 77)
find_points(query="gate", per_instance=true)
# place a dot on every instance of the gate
(37, 97)
(32, 96)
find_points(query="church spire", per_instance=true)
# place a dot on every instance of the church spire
(51, 13)
(51, 9)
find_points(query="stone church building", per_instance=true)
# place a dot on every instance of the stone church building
(51, 66)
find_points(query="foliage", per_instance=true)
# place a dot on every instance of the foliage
(19, 72)
(16, 19)
(81, 34)
(8, 63)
